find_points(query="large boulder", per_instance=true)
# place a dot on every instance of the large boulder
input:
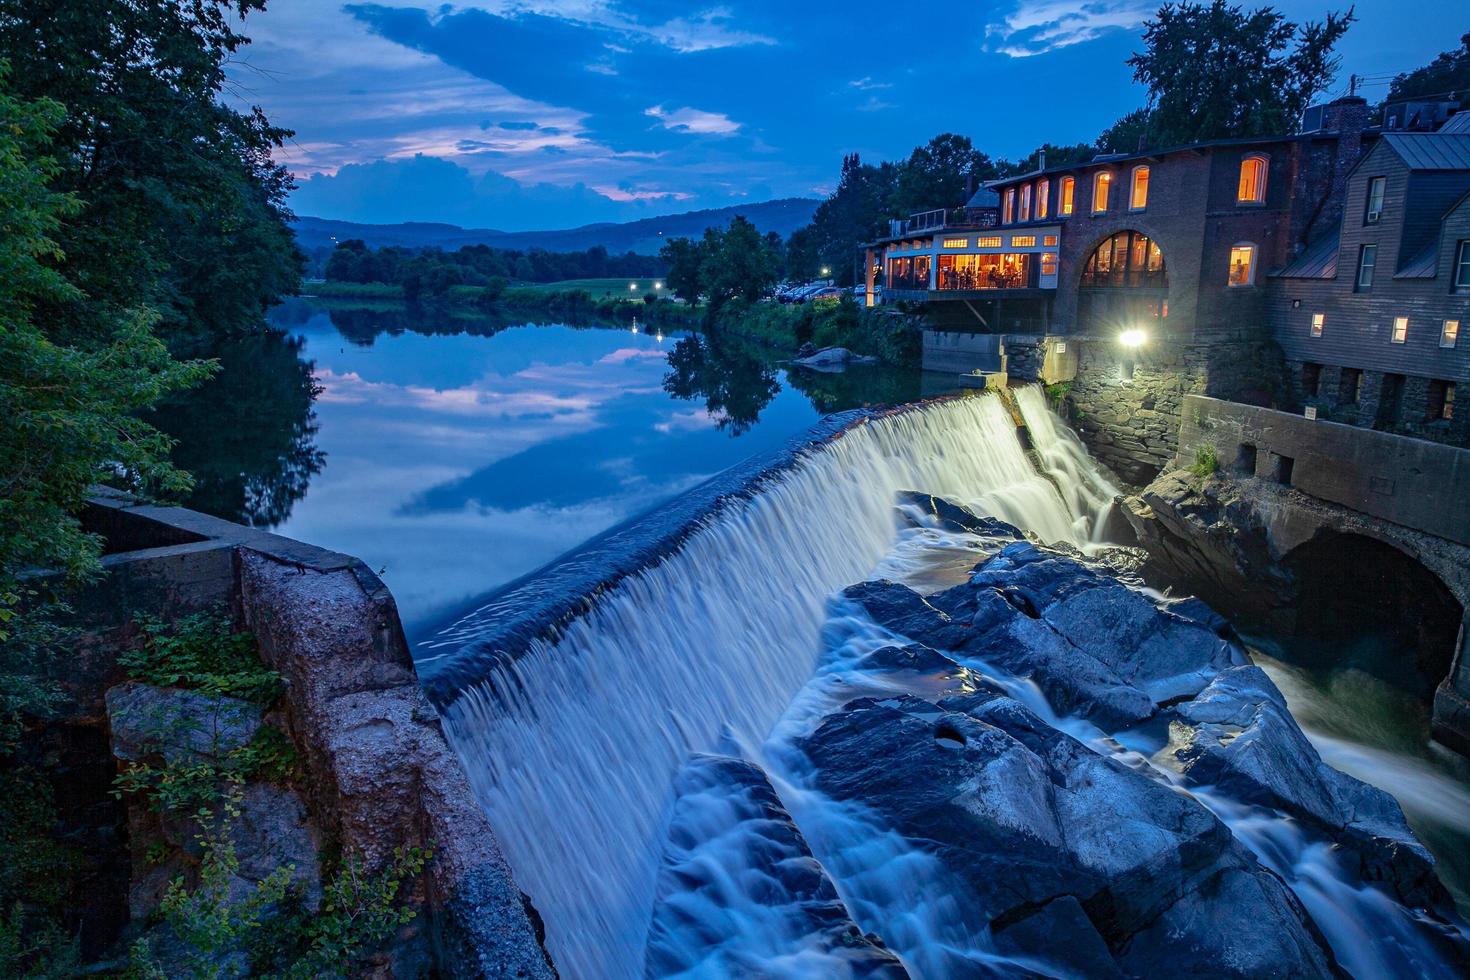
(734, 860)
(1094, 645)
(1048, 839)
(183, 727)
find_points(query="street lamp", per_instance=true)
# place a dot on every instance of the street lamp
(826, 272)
(632, 287)
(658, 285)
(1132, 338)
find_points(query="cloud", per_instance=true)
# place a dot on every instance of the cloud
(1039, 26)
(694, 121)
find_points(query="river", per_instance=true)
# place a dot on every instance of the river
(456, 454)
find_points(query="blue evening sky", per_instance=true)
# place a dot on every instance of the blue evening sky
(520, 114)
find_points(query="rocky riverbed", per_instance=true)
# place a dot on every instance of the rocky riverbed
(1092, 779)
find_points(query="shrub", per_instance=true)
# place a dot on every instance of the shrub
(1206, 460)
(204, 653)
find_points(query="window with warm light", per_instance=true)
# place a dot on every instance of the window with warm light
(956, 243)
(1319, 320)
(1008, 206)
(1025, 202)
(1049, 240)
(992, 241)
(1449, 334)
(1048, 263)
(1101, 185)
(1138, 196)
(1242, 265)
(1065, 192)
(1023, 241)
(1400, 330)
(1043, 192)
(1376, 188)
(1367, 261)
(1252, 189)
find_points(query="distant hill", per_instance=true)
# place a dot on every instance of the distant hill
(643, 236)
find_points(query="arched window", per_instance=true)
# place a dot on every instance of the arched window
(1138, 193)
(1102, 183)
(1025, 202)
(1252, 189)
(1008, 209)
(1043, 191)
(1242, 264)
(1069, 186)
(1127, 260)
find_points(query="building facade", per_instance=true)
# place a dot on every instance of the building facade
(1370, 318)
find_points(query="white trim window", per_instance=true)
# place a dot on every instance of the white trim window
(1319, 321)
(1461, 277)
(1367, 263)
(1252, 186)
(1066, 192)
(1377, 186)
(1008, 206)
(1400, 332)
(1043, 191)
(1138, 189)
(1242, 265)
(1102, 184)
(1449, 334)
(1025, 203)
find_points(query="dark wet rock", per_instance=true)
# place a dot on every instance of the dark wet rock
(833, 358)
(735, 856)
(273, 830)
(183, 727)
(947, 516)
(1238, 735)
(1027, 818)
(1095, 646)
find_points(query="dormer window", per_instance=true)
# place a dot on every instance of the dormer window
(1376, 188)
(1252, 189)
(1043, 191)
(1065, 194)
(1102, 183)
(1138, 195)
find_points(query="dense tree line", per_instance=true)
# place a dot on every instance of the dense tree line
(433, 271)
(736, 262)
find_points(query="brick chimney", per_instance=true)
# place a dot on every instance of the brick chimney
(1326, 165)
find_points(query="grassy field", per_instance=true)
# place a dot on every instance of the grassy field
(598, 288)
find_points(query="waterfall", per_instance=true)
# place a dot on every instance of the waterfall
(572, 745)
(1089, 494)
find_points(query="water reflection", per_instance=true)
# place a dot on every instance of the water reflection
(248, 434)
(457, 452)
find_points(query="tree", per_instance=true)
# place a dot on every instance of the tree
(937, 173)
(856, 212)
(1214, 71)
(682, 258)
(180, 206)
(1446, 77)
(736, 263)
(1055, 156)
(1128, 135)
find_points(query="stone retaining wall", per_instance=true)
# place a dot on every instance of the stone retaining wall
(378, 770)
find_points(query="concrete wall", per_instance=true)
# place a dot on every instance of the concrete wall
(1410, 482)
(379, 772)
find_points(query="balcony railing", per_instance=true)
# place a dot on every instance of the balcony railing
(1125, 279)
(939, 220)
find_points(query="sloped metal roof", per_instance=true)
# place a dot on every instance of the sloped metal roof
(1317, 261)
(984, 198)
(1458, 123)
(1431, 151)
(1422, 266)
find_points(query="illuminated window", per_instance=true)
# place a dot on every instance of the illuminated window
(1449, 334)
(1462, 268)
(992, 241)
(1023, 241)
(1138, 199)
(1048, 263)
(956, 243)
(1400, 330)
(1008, 206)
(1101, 184)
(1319, 320)
(1049, 240)
(1367, 259)
(1064, 196)
(1376, 187)
(1043, 191)
(1242, 265)
(1252, 188)
(1025, 203)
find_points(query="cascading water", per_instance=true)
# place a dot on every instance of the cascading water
(1089, 494)
(573, 753)
(731, 644)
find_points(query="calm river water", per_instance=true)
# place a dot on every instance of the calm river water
(454, 454)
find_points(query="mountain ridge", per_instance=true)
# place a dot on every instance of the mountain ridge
(643, 235)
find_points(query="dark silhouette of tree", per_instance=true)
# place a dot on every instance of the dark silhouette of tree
(1446, 77)
(734, 385)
